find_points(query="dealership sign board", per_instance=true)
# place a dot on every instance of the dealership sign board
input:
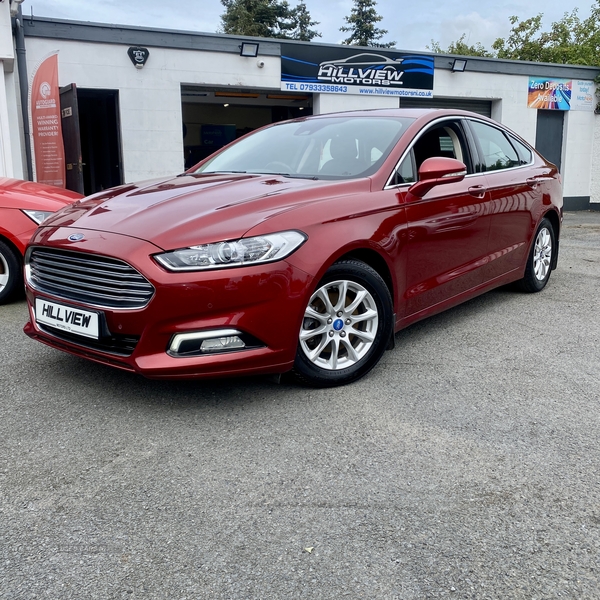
(560, 94)
(356, 71)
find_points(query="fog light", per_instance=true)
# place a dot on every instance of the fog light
(231, 342)
(208, 342)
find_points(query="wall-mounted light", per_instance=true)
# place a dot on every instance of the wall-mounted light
(249, 49)
(459, 65)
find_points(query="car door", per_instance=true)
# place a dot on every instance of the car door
(514, 193)
(447, 228)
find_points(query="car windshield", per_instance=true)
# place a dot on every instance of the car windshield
(341, 147)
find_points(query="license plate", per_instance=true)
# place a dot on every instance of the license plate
(67, 318)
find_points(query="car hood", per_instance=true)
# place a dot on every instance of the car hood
(196, 209)
(29, 195)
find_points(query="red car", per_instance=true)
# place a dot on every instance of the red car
(302, 246)
(23, 206)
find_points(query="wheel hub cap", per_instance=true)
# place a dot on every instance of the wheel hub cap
(542, 254)
(339, 326)
(4, 273)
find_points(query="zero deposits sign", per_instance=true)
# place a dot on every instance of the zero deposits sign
(560, 94)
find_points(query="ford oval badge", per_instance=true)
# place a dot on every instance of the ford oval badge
(75, 237)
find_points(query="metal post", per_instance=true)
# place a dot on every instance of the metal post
(24, 88)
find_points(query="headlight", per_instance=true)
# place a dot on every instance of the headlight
(237, 253)
(39, 216)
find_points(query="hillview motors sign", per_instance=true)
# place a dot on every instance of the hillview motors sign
(355, 71)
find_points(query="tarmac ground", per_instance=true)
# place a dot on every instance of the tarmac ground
(465, 465)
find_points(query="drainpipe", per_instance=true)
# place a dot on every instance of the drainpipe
(23, 82)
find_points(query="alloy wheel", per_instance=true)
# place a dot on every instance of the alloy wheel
(542, 254)
(339, 325)
(4, 272)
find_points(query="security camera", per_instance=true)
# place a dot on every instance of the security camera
(260, 63)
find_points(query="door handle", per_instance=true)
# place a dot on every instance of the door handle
(477, 190)
(78, 166)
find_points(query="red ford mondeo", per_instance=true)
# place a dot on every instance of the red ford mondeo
(302, 246)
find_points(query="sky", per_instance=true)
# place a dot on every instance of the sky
(413, 30)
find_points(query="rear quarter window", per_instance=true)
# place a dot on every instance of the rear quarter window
(498, 153)
(525, 153)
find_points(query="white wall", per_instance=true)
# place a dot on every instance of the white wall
(508, 93)
(6, 68)
(6, 169)
(11, 129)
(577, 158)
(6, 40)
(595, 177)
(509, 96)
(151, 110)
(150, 98)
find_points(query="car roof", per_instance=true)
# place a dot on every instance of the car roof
(414, 113)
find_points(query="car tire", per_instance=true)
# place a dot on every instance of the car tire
(346, 327)
(540, 259)
(11, 273)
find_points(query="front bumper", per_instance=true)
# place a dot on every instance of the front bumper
(266, 302)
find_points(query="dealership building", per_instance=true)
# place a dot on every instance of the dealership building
(139, 103)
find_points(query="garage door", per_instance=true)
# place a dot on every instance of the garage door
(482, 107)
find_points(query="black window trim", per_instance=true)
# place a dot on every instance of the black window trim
(507, 134)
(471, 149)
(512, 138)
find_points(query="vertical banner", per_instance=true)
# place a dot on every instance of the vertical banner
(44, 105)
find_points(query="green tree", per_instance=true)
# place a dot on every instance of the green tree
(361, 26)
(571, 40)
(302, 24)
(267, 18)
(460, 47)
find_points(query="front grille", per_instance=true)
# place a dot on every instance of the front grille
(89, 278)
(123, 345)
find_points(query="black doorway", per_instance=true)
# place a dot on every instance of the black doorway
(549, 135)
(100, 139)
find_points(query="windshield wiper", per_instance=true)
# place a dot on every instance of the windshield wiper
(209, 173)
(290, 175)
(296, 176)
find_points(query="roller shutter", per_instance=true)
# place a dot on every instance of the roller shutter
(482, 107)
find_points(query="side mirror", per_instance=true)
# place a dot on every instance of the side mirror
(437, 171)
